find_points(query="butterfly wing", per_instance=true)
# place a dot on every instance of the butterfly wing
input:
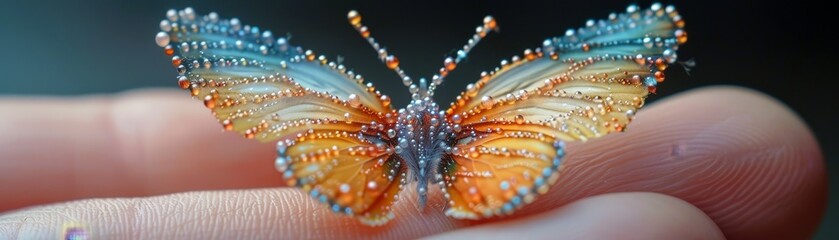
(353, 175)
(581, 86)
(327, 123)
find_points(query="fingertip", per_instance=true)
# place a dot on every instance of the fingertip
(610, 216)
(742, 157)
(768, 168)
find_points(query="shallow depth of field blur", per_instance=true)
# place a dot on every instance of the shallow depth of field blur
(94, 47)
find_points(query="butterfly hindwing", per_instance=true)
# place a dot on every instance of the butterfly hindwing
(353, 175)
(584, 85)
(264, 88)
(495, 172)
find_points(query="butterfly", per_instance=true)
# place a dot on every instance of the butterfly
(497, 147)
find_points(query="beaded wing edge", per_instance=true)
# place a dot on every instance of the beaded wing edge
(493, 150)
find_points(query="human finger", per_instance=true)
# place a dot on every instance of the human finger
(718, 164)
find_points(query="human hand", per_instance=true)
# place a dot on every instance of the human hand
(709, 164)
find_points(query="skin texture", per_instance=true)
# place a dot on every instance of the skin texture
(711, 163)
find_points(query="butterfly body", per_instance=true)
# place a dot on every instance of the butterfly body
(424, 137)
(498, 146)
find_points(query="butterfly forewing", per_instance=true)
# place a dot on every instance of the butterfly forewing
(574, 107)
(583, 85)
(263, 88)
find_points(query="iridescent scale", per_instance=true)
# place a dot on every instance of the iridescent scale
(493, 150)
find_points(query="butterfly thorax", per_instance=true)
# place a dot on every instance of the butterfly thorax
(424, 136)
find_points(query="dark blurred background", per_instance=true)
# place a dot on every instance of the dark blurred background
(92, 47)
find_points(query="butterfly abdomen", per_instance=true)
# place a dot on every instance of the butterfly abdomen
(424, 136)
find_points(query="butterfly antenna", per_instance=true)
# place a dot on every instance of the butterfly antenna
(450, 63)
(389, 60)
